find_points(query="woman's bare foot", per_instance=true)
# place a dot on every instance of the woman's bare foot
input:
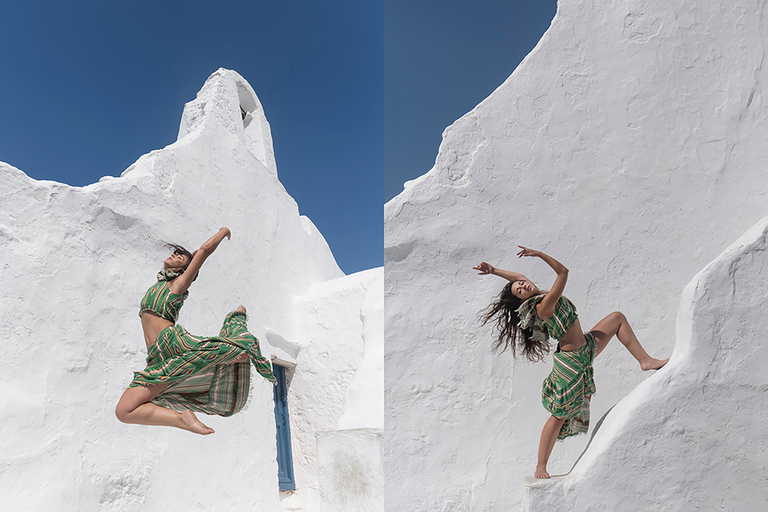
(541, 472)
(190, 422)
(241, 308)
(653, 364)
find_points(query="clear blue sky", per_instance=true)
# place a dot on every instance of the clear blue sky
(442, 58)
(357, 92)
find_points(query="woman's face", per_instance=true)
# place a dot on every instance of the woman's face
(524, 289)
(176, 260)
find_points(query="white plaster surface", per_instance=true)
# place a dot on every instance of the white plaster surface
(351, 476)
(339, 403)
(691, 437)
(75, 264)
(629, 145)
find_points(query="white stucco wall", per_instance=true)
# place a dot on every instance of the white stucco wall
(76, 262)
(336, 396)
(630, 146)
(690, 437)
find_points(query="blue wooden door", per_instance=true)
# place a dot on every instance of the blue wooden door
(284, 457)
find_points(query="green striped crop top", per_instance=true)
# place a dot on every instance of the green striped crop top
(554, 326)
(162, 302)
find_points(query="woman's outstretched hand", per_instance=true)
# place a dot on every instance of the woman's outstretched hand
(527, 252)
(227, 233)
(484, 269)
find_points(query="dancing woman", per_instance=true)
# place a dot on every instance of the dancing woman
(526, 317)
(184, 372)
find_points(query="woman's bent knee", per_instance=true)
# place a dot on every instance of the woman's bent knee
(122, 413)
(131, 399)
(619, 316)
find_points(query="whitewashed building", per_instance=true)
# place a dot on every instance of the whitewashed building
(630, 145)
(76, 261)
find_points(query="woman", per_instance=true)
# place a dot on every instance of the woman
(185, 372)
(526, 317)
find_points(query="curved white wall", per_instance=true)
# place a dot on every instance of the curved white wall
(691, 437)
(629, 145)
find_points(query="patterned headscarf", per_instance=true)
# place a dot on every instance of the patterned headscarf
(169, 274)
(529, 319)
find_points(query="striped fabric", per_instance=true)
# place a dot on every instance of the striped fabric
(162, 302)
(568, 389)
(562, 320)
(200, 370)
(554, 326)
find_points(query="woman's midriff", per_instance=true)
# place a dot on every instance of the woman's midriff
(152, 325)
(573, 339)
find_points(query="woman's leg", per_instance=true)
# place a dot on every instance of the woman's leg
(135, 407)
(236, 331)
(616, 324)
(242, 358)
(547, 442)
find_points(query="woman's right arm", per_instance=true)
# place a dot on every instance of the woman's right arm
(546, 308)
(486, 268)
(181, 284)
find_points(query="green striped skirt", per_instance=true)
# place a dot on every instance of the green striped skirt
(200, 371)
(568, 389)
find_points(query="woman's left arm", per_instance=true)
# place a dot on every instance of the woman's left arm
(546, 308)
(182, 283)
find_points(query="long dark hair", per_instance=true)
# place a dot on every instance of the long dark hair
(508, 333)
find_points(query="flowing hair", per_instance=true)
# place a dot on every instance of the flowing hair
(508, 333)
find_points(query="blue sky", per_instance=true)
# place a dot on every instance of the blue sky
(89, 87)
(441, 59)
